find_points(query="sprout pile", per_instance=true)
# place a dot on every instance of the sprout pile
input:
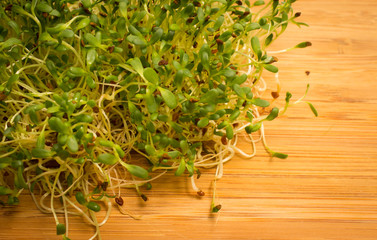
(85, 86)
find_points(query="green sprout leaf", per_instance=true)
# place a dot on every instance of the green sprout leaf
(91, 56)
(235, 114)
(151, 103)
(258, 3)
(184, 146)
(5, 162)
(15, 27)
(60, 229)
(218, 23)
(181, 168)
(313, 109)
(271, 68)
(66, 33)
(5, 191)
(168, 97)
(72, 144)
(137, 65)
(150, 150)
(41, 140)
(156, 36)
(239, 91)
(80, 198)
(92, 40)
(252, 26)
(93, 206)
(203, 122)
(216, 208)
(120, 151)
(107, 158)
(13, 79)
(77, 72)
(123, 6)
(253, 128)
(9, 43)
(273, 114)
(19, 180)
(137, 171)
(106, 143)
(303, 45)
(279, 155)
(137, 40)
(255, 44)
(84, 118)
(57, 29)
(151, 75)
(260, 102)
(57, 125)
(176, 127)
(83, 23)
(229, 132)
(90, 82)
(204, 54)
(41, 153)
(179, 76)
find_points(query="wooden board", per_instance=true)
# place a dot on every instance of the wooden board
(326, 189)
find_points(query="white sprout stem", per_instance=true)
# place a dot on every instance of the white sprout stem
(108, 211)
(52, 192)
(93, 215)
(82, 213)
(234, 146)
(263, 136)
(264, 85)
(33, 197)
(70, 187)
(94, 236)
(65, 211)
(276, 52)
(132, 183)
(196, 189)
(219, 170)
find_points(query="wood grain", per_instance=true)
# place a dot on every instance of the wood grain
(326, 189)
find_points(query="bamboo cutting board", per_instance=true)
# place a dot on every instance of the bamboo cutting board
(326, 189)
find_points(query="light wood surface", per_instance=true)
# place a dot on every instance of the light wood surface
(326, 189)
